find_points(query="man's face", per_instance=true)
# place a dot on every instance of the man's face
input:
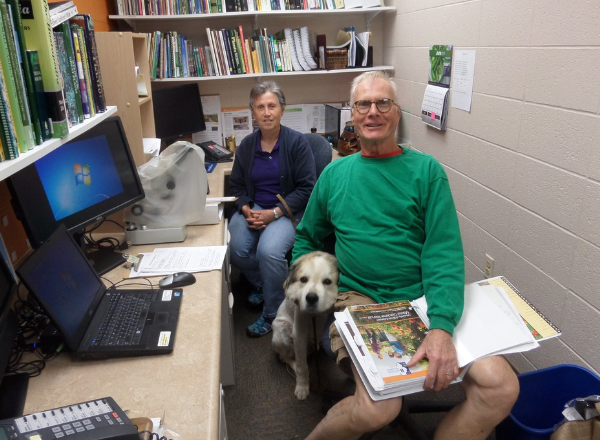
(375, 126)
(267, 111)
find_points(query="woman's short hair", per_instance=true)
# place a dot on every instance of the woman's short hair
(264, 87)
(372, 75)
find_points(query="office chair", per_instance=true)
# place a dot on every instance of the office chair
(321, 150)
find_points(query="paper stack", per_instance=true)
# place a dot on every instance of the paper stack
(382, 338)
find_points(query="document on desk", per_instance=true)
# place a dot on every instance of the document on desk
(164, 261)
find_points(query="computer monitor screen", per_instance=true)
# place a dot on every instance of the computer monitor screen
(177, 111)
(12, 392)
(78, 184)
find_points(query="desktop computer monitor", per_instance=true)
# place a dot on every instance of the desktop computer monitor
(78, 184)
(13, 388)
(177, 112)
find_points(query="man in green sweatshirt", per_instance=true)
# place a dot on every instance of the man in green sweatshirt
(398, 238)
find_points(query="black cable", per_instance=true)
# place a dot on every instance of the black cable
(153, 436)
(108, 243)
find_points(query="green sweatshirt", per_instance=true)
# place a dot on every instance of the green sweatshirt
(396, 228)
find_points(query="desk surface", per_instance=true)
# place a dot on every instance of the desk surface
(182, 386)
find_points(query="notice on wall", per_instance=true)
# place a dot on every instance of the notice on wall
(462, 79)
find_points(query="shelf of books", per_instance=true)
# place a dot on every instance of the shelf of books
(370, 12)
(51, 86)
(9, 167)
(277, 74)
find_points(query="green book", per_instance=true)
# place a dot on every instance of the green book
(41, 132)
(39, 36)
(15, 86)
(86, 70)
(68, 86)
(8, 136)
(38, 87)
(66, 31)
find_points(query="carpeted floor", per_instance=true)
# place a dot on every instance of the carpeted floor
(262, 405)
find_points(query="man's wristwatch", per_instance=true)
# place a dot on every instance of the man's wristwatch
(276, 215)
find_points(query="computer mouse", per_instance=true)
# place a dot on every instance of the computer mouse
(179, 279)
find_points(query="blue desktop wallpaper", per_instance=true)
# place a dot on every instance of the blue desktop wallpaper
(78, 175)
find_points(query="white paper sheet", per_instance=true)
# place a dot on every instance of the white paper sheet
(294, 117)
(211, 107)
(462, 79)
(237, 122)
(164, 261)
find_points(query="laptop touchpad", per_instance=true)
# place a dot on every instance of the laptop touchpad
(161, 317)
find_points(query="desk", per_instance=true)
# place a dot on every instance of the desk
(185, 384)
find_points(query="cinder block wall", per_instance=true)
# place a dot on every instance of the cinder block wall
(524, 164)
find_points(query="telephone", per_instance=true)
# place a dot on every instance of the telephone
(215, 153)
(92, 420)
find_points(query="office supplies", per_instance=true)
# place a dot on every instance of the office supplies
(92, 420)
(434, 110)
(178, 279)
(58, 189)
(97, 322)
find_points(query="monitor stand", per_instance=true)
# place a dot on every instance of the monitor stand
(104, 260)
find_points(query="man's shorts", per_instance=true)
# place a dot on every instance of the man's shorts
(345, 299)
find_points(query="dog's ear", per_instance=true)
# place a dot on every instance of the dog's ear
(291, 275)
(333, 261)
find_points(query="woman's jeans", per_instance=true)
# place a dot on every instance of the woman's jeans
(260, 255)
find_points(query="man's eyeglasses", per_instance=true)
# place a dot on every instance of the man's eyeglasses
(383, 105)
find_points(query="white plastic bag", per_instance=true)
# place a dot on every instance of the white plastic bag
(175, 183)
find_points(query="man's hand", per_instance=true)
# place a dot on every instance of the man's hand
(439, 349)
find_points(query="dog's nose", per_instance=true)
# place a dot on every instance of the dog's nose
(312, 298)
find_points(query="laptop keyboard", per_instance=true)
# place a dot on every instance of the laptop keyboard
(124, 320)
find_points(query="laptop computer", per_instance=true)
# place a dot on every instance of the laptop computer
(143, 322)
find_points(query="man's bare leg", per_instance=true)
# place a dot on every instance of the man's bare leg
(491, 388)
(356, 415)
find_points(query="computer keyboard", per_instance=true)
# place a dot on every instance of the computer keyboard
(125, 320)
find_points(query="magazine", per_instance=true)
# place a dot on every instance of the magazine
(382, 338)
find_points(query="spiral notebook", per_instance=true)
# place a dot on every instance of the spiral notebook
(540, 326)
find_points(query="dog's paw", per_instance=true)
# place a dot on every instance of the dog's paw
(301, 392)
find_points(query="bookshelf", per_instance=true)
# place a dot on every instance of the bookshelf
(118, 53)
(193, 26)
(369, 12)
(9, 167)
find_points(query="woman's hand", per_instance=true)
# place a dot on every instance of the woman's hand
(259, 219)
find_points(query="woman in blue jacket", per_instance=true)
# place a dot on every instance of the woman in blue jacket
(274, 160)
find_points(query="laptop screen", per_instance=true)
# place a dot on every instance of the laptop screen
(66, 285)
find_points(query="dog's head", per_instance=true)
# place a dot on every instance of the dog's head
(312, 283)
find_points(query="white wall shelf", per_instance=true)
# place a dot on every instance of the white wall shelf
(370, 12)
(273, 74)
(9, 167)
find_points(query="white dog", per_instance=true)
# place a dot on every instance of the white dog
(310, 289)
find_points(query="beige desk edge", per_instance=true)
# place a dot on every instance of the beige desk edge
(182, 386)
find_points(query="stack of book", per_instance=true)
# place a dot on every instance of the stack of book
(181, 7)
(382, 338)
(229, 53)
(49, 76)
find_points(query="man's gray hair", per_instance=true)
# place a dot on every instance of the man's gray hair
(264, 87)
(374, 74)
